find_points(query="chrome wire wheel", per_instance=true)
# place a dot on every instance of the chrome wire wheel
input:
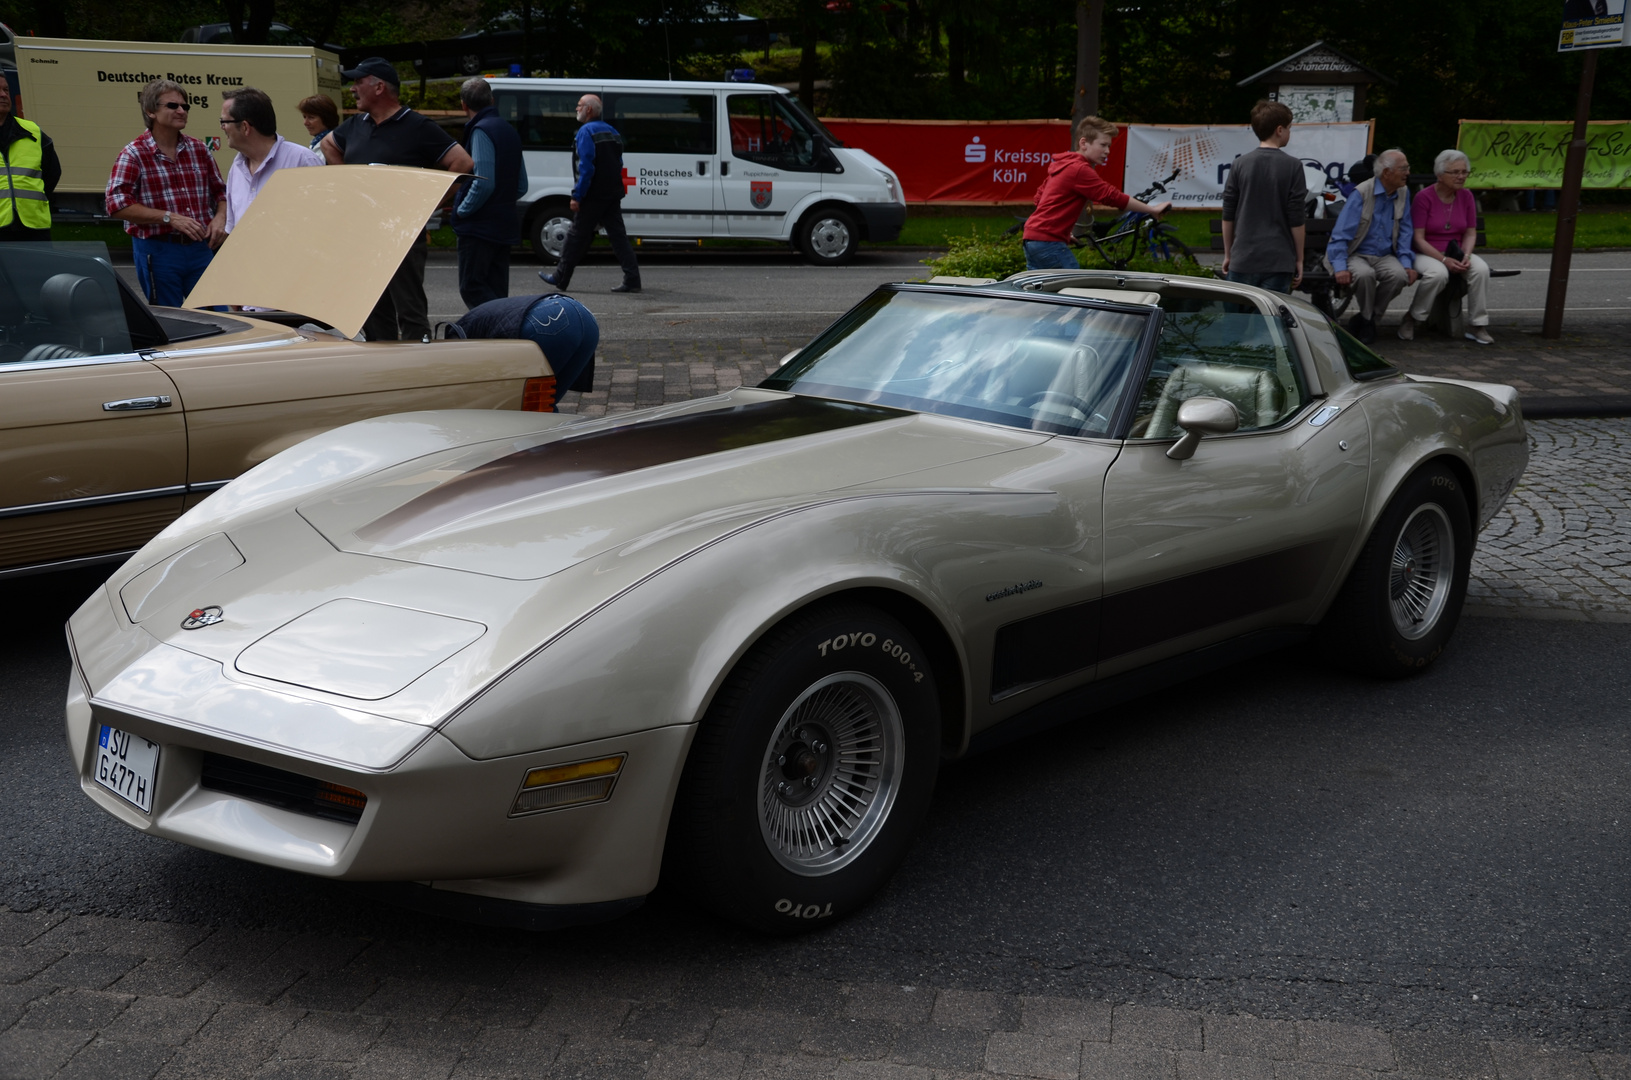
(830, 237)
(830, 773)
(1422, 571)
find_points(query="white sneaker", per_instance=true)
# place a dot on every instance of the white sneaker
(1480, 335)
(1407, 329)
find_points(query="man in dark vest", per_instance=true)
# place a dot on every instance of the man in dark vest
(484, 214)
(596, 198)
(29, 171)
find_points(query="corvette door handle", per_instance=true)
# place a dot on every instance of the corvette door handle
(157, 401)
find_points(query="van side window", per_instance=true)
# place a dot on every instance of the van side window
(663, 123)
(765, 131)
(545, 119)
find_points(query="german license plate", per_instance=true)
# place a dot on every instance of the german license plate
(127, 765)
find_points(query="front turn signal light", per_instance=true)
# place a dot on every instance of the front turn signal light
(555, 787)
(538, 395)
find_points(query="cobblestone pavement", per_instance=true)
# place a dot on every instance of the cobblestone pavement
(106, 999)
(1561, 547)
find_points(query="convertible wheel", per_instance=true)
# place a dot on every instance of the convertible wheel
(810, 773)
(1403, 599)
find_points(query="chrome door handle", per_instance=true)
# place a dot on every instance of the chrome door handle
(157, 401)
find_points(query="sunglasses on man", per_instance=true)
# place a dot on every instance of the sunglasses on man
(182, 105)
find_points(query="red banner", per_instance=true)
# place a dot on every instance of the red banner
(971, 162)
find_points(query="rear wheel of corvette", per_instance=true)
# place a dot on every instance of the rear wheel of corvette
(1403, 598)
(811, 772)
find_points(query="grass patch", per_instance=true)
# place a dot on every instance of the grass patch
(1536, 230)
(936, 231)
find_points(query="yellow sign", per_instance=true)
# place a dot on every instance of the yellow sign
(84, 94)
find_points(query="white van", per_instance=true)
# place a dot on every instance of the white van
(704, 160)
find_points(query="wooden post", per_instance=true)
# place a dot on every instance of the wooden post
(1568, 204)
(1089, 17)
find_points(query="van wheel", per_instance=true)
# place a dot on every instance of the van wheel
(810, 774)
(550, 224)
(828, 236)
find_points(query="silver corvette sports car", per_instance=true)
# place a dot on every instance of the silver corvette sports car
(520, 664)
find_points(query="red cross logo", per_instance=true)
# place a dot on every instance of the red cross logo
(628, 181)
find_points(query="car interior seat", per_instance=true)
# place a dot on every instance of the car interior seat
(1252, 391)
(79, 310)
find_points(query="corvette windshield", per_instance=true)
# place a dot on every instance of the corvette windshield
(1020, 362)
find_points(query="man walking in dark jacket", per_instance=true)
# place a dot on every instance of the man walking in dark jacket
(596, 198)
(484, 213)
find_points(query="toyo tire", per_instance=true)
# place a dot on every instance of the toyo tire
(1402, 600)
(811, 772)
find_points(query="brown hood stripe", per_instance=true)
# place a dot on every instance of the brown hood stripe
(595, 455)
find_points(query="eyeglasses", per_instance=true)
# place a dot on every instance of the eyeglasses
(1457, 172)
(182, 105)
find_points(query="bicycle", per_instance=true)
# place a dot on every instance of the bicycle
(1118, 242)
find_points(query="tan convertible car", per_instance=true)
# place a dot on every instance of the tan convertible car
(116, 417)
(520, 665)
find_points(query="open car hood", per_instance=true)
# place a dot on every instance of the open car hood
(323, 242)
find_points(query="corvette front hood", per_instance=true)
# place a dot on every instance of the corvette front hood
(531, 508)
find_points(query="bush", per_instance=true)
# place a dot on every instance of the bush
(998, 257)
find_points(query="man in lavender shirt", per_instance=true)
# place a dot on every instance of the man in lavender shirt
(250, 125)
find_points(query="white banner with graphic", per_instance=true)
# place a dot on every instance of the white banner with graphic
(1203, 156)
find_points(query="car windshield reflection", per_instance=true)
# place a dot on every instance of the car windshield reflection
(59, 301)
(1051, 367)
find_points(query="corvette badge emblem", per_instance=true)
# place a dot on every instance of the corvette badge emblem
(760, 191)
(202, 617)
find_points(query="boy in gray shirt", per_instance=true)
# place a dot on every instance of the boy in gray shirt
(1263, 200)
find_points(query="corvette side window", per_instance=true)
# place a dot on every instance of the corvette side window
(1215, 348)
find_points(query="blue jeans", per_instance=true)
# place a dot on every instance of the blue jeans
(567, 333)
(167, 271)
(1050, 255)
(1280, 283)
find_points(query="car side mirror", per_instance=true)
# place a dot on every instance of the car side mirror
(1202, 416)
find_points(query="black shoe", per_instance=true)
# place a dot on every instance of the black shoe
(551, 279)
(1355, 323)
(1367, 331)
(627, 287)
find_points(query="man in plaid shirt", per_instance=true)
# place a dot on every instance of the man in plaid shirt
(167, 190)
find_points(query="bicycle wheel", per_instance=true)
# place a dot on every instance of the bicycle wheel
(1120, 245)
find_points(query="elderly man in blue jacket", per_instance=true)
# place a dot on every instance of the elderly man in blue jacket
(596, 198)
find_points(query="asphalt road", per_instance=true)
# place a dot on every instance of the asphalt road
(691, 295)
(1443, 854)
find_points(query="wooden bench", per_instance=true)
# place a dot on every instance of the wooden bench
(1333, 299)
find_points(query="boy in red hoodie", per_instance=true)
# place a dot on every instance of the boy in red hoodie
(1071, 181)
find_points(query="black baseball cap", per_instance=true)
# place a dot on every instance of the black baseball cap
(377, 66)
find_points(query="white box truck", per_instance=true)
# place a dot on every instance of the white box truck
(84, 95)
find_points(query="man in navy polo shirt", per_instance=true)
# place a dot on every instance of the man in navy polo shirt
(387, 132)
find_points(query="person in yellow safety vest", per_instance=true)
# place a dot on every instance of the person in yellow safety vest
(29, 171)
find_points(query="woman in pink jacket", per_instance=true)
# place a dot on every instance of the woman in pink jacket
(1445, 216)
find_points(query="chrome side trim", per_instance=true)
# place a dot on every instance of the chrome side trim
(93, 500)
(72, 361)
(244, 346)
(68, 564)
